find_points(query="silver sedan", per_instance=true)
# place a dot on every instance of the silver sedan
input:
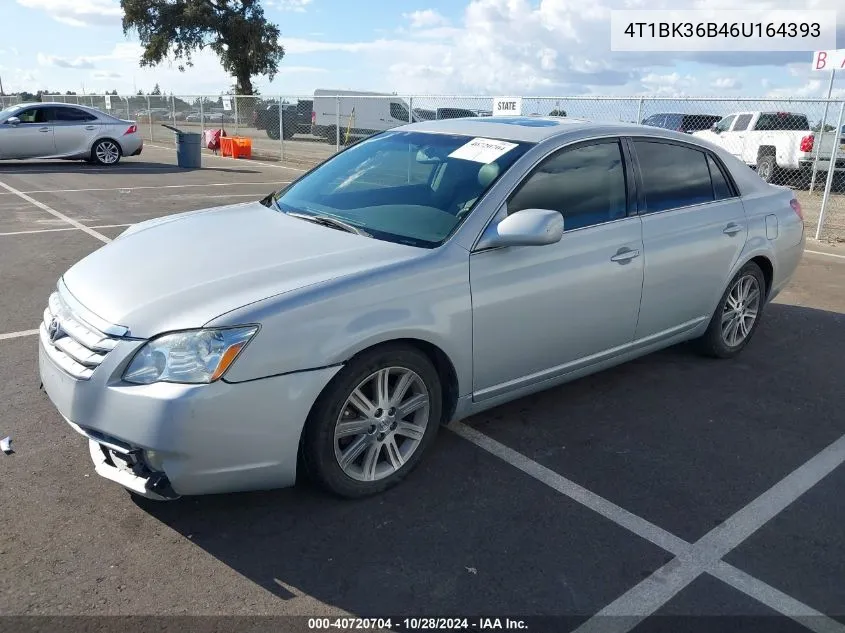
(420, 276)
(59, 130)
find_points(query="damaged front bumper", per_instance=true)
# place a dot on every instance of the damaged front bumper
(123, 464)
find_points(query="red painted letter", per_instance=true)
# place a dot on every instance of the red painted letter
(821, 60)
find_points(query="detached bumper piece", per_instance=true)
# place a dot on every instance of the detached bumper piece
(123, 464)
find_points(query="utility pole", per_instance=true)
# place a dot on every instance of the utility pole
(1, 88)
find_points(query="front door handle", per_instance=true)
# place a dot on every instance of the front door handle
(732, 229)
(90, 127)
(44, 129)
(624, 255)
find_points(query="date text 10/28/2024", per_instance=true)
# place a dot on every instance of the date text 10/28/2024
(416, 624)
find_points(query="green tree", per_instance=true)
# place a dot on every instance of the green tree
(236, 30)
(557, 112)
(156, 91)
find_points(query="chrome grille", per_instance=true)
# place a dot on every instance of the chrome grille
(74, 345)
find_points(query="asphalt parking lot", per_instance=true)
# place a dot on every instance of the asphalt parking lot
(670, 487)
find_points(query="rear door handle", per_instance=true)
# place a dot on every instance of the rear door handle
(732, 229)
(44, 129)
(90, 127)
(624, 255)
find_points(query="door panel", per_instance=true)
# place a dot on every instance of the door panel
(74, 131)
(32, 138)
(537, 307)
(74, 138)
(691, 239)
(27, 140)
(689, 257)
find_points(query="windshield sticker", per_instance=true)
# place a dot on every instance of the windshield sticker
(482, 150)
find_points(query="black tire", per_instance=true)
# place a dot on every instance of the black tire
(273, 132)
(318, 439)
(712, 343)
(331, 135)
(102, 143)
(767, 168)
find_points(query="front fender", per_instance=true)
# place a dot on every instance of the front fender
(427, 299)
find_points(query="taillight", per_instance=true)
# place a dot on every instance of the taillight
(796, 206)
(131, 130)
(807, 143)
(313, 118)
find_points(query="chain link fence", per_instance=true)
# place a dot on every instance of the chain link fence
(789, 142)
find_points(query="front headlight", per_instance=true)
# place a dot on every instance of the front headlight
(192, 356)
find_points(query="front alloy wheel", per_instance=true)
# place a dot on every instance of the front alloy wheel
(381, 424)
(373, 422)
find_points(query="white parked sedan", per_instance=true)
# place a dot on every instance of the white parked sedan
(59, 130)
(420, 276)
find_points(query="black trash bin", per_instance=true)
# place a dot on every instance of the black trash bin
(188, 148)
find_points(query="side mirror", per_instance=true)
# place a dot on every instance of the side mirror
(529, 227)
(714, 128)
(13, 120)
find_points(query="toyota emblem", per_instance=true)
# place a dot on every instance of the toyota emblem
(54, 330)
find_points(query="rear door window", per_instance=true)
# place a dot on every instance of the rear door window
(74, 115)
(673, 175)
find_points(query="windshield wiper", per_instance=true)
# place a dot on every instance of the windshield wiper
(327, 220)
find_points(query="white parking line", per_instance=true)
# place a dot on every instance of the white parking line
(691, 560)
(9, 335)
(133, 188)
(69, 228)
(825, 254)
(55, 213)
(774, 599)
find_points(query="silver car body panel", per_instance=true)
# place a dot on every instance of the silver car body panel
(510, 321)
(64, 139)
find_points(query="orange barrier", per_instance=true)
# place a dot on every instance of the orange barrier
(236, 146)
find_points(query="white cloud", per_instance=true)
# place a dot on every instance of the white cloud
(289, 5)
(78, 63)
(425, 18)
(78, 12)
(726, 83)
(104, 74)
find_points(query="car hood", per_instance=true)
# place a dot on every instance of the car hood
(182, 271)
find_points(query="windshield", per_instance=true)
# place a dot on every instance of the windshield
(408, 187)
(7, 111)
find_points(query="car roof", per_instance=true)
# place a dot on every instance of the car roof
(534, 129)
(530, 129)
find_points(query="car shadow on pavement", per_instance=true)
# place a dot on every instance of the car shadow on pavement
(127, 167)
(468, 534)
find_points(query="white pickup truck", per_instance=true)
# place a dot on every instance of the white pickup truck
(779, 145)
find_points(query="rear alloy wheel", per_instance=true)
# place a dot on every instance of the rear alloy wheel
(106, 152)
(738, 315)
(373, 423)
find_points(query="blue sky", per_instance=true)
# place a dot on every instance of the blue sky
(483, 47)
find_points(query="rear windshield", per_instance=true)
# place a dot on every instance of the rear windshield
(782, 121)
(697, 122)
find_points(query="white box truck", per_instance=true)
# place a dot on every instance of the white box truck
(360, 114)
